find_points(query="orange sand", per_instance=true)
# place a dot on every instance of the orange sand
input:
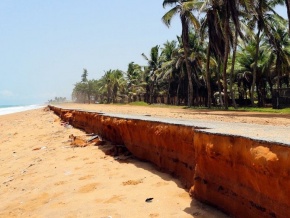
(42, 176)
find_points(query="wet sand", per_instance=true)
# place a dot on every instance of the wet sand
(43, 176)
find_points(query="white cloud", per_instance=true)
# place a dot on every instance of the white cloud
(6, 93)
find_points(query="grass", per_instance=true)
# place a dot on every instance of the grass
(263, 110)
(138, 103)
(245, 109)
(240, 109)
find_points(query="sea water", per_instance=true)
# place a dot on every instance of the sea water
(10, 109)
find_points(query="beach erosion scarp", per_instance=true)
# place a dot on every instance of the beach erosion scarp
(242, 176)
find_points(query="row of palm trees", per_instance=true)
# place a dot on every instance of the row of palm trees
(230, 52)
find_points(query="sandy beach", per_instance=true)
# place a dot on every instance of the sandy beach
(43, 176)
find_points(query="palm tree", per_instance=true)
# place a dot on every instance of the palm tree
(85, 75)
(165, 74)
(279, 42)
(83, 90)
(263, 15)
(173, 70)
(197, 58)
(113, 83)
(135, 81)
(153, 64)
(219, 16)
(184, 8)
(231, 11)
(245, 65)
(210, 26)
(119, 84)
(79, 92)
(287, 2)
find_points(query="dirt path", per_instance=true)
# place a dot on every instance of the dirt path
(177, 112)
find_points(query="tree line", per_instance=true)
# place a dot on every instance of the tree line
(230, 52)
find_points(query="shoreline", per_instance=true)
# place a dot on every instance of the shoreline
(57, 180)
(11, 109)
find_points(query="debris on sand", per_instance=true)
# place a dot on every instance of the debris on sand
(83, 141)
(149, 200)
(78, 141)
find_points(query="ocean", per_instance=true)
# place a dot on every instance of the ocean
(10, 109)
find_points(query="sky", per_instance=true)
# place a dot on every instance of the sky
(45, 45)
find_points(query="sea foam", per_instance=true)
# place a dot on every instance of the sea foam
(14, 109)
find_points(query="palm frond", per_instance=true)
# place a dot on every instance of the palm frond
(169, 2)
(193, 20)
(166, 19)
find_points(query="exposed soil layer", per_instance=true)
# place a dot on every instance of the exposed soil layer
(274, 119)
(241, 176)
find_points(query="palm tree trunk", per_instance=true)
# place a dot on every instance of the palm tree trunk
(255, 67)
(151, 93)
(208, 78)
(168, 92)
(288, 12)
(279, 68)
(233, 68)
(225, 63)
(219, 83)
(186, 55)
(177, 92)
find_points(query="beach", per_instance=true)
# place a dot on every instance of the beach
(43, 176)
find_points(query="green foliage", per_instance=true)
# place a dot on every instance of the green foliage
(199, 62)
(85, 75)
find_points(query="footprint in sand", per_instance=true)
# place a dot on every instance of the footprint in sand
(85, 177)
(153, 215)
(159, 184)
(184, 195)
(72, 157)
(60, 183)
(88, 188)
(132, 182)
(114, 199)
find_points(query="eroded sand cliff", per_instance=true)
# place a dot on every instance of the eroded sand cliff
(241, 176)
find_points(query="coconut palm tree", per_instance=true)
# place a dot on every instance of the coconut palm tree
(83, 90)
(287, 2)
(184, 8)
(165, 74)
(218, 18)
(210, 26)
(172, 70)
(263, 14)
(279, 42)
(154, 63)
(135, 83)
(113, 82)
(79, 92)
(245, 65)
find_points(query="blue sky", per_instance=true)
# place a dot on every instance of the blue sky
(46, 44)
